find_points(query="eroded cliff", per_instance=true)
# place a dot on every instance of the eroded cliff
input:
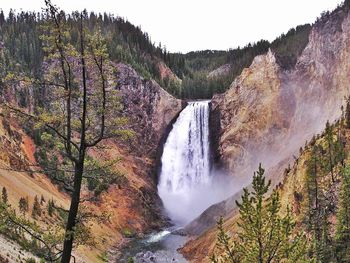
(133, 205)
(268, 113)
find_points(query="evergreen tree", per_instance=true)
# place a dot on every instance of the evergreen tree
(342, 237)
(50, 207)
(312, 172)
(226, 246)
(264, 235)
(317, 167)
(4, 195)
(347, 112)
(36, 208)
(23, 205)
(315, 197)
(330, 139)
(326, 254)
(339, 148)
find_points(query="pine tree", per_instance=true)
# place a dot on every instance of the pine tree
(4, 195)
(50, 207)
(342, 237)
(315, 198)
(347, 112)
(23, 205)
(263, 234)
(36, 208)
(312, 172)
(225, 244)
(317, 167)
(325, 247)
(339, 148)
(329, 139)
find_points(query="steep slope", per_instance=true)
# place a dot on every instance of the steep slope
(294, 193)
(220, 71)
(149, 108)
(269, 112)
(133, 205)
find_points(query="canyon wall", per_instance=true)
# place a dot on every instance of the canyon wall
(269, 113)
(133, 205)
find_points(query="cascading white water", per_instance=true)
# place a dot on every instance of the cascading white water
(185, 171)
(186, 184)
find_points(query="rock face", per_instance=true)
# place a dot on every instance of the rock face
(149, 108)
(220, 71)
(249, 114)
(268, 113)
(134, 205)
(165, 73)
(150, 111)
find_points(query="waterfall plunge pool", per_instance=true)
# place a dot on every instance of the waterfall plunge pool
(186, 185)
(160, 247)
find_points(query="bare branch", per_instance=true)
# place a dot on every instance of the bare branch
(63, 137)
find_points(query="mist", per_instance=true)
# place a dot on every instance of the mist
(187, 183)
(184, 206)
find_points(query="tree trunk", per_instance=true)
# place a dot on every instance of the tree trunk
(73, 212)
(331, 160)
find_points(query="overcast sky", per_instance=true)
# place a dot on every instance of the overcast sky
(187, 25)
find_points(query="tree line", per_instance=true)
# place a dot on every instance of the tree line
(22, 50)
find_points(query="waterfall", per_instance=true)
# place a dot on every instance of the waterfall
(185, 171)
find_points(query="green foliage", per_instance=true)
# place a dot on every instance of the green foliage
(263, 234)
(21, 43)
(326, 159)
(317, 209)
(103, 256)
(197, 66)
(342, 237)
(44, 242)
(101, 175)
(24, 50)
(225, 245)
(23, 205)
(30, 260)
(128, 233)
(50, 207)
(347, 113)
(4, 195)
(28, 234)
(36, 211)
(289, 46)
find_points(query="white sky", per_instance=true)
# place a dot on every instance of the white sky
(187, 25)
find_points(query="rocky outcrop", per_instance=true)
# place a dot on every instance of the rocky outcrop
(133, 205)
(150, 111)
(148, 107)
(250, 115)
(136, 207)
(220, 71)
(166, 74)
(268, 113)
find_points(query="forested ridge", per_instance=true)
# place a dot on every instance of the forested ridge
(22, 51)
